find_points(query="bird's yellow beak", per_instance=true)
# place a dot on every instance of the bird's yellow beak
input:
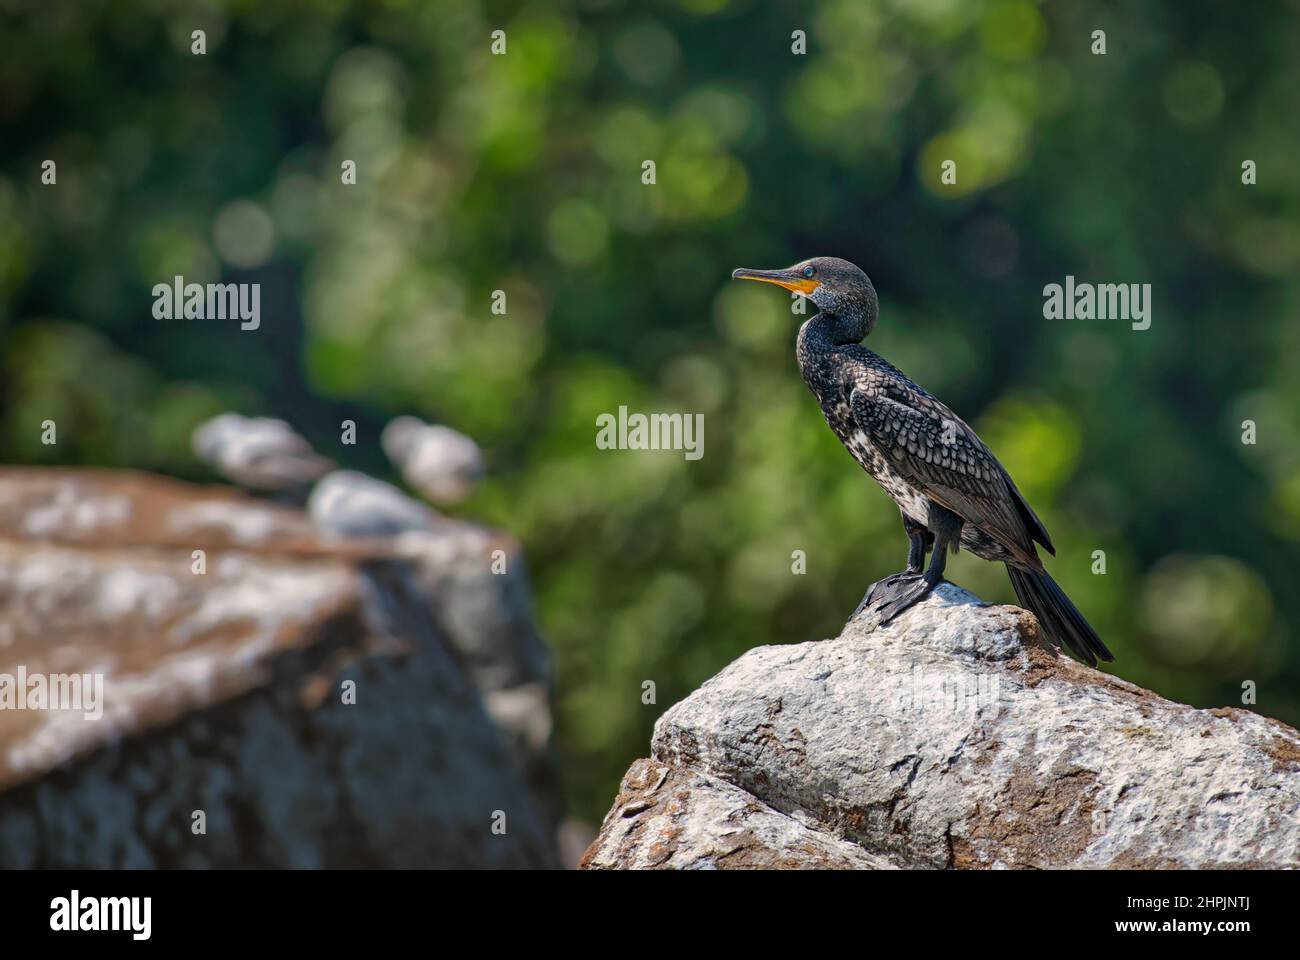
(782, 278)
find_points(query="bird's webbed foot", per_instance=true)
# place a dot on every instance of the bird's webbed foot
(881, 588)
(901, 591)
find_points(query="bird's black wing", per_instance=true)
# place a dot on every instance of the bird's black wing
(941, 455)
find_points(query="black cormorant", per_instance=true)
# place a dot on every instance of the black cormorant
(950, 488)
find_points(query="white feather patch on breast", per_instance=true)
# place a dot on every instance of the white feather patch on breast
(909, 500)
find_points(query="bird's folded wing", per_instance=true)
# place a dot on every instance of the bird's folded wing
(940, 455)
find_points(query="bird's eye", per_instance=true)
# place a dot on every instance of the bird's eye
(809, 271)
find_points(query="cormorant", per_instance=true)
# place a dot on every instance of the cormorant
(949, 487)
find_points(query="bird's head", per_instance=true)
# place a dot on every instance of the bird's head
(836, 286)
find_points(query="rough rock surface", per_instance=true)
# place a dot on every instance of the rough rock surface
(223, 690)
(951, 738)
(667, 816)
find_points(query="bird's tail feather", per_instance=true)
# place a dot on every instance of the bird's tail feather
(1061, 619)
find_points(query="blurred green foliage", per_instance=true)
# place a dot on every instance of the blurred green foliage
(523, 173)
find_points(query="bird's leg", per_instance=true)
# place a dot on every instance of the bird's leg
(919, 540)
(912, 587)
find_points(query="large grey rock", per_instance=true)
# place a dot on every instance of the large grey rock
(223, 680)
(954, 738)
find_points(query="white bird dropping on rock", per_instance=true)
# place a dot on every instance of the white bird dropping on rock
(352, 504)
(258, 453)
(441, 463)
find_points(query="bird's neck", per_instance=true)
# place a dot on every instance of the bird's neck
(849, 325)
